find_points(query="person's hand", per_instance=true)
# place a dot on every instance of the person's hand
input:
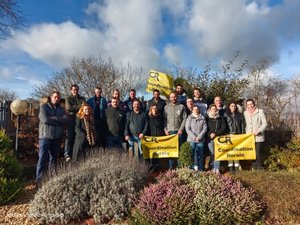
(141, 135)
(167, 132)
(197, 139)
(255, 132)
(127, 137)
(212, 135)
(179, 132)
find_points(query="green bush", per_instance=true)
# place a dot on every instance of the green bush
(185, 155)
(285, 158)
(10, 171)
(215, 199)
(103, 186)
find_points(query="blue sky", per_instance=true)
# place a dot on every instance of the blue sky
(153, 34)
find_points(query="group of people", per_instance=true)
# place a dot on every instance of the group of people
(97, 122)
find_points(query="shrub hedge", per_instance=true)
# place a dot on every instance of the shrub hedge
(11, 182)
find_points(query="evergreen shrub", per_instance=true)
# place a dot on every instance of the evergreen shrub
(185, 155)
(215, 199)
(103, 187)
(285, 158)
(11, 182)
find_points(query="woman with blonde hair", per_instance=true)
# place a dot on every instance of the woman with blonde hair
(85, 131)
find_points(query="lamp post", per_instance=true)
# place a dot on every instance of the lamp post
(18, 107)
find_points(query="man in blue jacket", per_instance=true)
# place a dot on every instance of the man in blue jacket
(99, 104)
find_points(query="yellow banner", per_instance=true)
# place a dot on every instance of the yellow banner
(160, 147)
(161, 81)
(235, 147)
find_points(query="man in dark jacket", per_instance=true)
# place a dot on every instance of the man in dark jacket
(99, 104)
(200, 101)
(115, 124)
(158, 101)
(52, 118)
(136, 128)
(73, 104)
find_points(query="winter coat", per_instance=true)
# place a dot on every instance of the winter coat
(52, 120)
(195, 127)
(217, 126)
(202, 105)
(115, 120)
(136, 123)
(156, 126)
(73, 104)
(81, 142)
(237, 123)
(256, 122)
(160, 105)
(175, 117)
(101, 108)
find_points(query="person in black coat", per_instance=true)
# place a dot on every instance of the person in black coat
(85, 132)
(156, 121)
(236, 126)
(156, 128)
(216, 126)
(158, 101)
(115, 120)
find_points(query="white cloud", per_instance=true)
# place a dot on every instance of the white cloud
(219, 29)
(132, 31)
(173, 54)
(128, 32)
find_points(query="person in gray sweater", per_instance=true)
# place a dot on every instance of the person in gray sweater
(196, 129)
(136, 128)
(175, 118)
(52, 119)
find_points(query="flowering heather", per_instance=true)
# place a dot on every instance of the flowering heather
(167, 202)
(187, 197)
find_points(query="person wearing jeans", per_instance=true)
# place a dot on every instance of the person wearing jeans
(135, 129)
(51, 130)
(175, 118)
(73, 104)
(196, 129)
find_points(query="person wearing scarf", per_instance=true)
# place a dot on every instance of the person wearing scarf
(85, 132)
(216, 125)
(256, 123)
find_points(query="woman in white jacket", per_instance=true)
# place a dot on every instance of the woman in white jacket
(196, 129)
(256, 124)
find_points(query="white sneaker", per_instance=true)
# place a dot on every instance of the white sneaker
(68, 158)
(196, 168)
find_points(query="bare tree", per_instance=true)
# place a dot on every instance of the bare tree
(90, 72)
(257, 74)
(7, 95)
(230, 83)
(10, 17)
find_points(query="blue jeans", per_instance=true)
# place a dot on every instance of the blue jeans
(70, 139)
(136, 152)
(47, 146)
(212, 163)
(114, 142)
(197, 151)
(181, 140)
